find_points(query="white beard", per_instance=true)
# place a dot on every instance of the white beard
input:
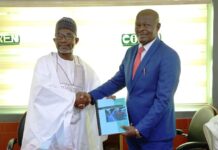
(64, 50)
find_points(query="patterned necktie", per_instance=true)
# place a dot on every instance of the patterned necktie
(137, 60)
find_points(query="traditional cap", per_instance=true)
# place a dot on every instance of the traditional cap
(66, 23)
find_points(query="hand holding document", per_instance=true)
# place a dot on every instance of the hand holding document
(131, 131)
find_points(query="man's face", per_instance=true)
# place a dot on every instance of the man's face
(65, 41)
(146, 28)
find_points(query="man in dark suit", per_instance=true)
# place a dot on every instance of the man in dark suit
(151, 87)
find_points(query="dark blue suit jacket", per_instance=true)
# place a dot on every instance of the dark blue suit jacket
(150, 98)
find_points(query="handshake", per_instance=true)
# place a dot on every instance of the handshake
(82, 100)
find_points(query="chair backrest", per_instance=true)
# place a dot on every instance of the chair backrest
(21, 129)
(201, 116)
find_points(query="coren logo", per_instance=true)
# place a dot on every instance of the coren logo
(129, 39)
(9, 39)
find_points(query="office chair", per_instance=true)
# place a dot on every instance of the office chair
(195, 136)
(19, 138)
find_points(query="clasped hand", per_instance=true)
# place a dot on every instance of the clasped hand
(82, 100)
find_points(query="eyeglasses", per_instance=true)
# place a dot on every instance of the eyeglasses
(67, 37)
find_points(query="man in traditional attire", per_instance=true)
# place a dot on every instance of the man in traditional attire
(52, 122)
(211, 132)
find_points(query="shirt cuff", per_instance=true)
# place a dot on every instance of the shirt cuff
(92, 99)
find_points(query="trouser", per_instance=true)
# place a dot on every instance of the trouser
(141, 144)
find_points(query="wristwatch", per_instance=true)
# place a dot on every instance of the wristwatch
(137, 133)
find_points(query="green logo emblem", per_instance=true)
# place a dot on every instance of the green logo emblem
(129, 39)
(9, 39)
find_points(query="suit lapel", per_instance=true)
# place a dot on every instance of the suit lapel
(142, 67)
(132, 56)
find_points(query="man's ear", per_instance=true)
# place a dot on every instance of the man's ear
(77, 40)
(158, 26)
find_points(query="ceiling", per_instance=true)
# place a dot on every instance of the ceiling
(78, 3)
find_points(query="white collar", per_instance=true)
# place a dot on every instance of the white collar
(148, 45)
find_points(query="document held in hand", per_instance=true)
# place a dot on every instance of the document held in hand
(111, 115)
